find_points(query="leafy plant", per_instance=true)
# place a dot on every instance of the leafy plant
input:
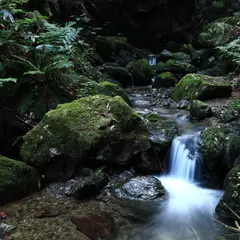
(236, 105)
(42, 62)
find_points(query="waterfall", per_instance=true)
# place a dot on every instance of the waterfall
(183, 157)
(152, 60)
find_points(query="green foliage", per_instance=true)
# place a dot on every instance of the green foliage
(236, 105)
(41, 62)
(231, 50)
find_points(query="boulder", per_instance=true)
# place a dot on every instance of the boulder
(142, 72)
(164, 80)
(200, 110)
(181, 56)
(96, 129)
(17, 180)
(110, 89)
(106, 88)
(183, 104)
(164, 56)
(231, 195)
(176, 67)
(118, 73)
(90, 187)
(161, 133)
(219, 151)
(117, 49)
(137, 188)
(197, 86)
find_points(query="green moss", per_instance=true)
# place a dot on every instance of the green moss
(200, 110)
(197, 86)
(231, 195)
(17, 179)
(213, 147)
(164, 80)
(218, 4)
(181, 56)
(82, 130)
(141, 71)
(112, 90)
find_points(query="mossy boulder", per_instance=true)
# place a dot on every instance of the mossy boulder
(231, 195)
(164, 56)
(181, 56)
(198, 86)
(200, 110)
(112, 90)
(176, 67)
(17, 180)
(118, 73)
(219, 152)
(106, 88)
(164, 80)
(142, 72)
(92, 130)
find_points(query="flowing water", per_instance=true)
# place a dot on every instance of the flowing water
(188, 211)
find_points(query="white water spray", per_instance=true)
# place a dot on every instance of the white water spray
(188, 206)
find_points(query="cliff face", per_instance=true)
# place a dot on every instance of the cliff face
(143, 22)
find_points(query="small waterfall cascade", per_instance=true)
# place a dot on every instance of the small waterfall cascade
(183, 157)
(152, 60)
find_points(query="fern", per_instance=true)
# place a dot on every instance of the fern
(7, 80)
(231, 50)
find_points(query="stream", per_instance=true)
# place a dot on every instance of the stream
(188, 211)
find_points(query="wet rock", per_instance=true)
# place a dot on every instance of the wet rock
(138, 188)
(164, 56)
(226, 115)
(219, 150)
(196, 86)
(161, 134)
(17, 180)
(90, 187)
(231, 196)
(66, 137)
(183, 104)
(142, 72)
(96, 226)
(118, 73)
(164, 80)
(6, 230)
(200, 110)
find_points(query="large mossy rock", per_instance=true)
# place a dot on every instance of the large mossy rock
(112, 90)
(142, 72)
(198, 86)
(200, 110)
(231, 196)
(220, 150)
(164, 80)
(97, 129)
(105, 88)
(17, 180)
(176, 67)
